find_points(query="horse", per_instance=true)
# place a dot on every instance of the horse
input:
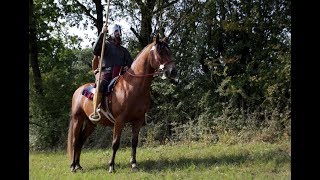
(128, 102)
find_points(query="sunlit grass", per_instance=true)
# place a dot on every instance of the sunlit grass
(180, 161)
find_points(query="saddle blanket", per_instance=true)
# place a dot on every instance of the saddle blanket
(89, 92)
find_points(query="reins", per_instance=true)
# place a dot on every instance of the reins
(150, 74)
(143, 75)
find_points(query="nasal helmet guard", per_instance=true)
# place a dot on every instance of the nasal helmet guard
(114, 30)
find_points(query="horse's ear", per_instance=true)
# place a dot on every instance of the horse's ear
(165, 39)
(156, 38)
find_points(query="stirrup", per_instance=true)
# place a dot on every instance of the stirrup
(95, 117)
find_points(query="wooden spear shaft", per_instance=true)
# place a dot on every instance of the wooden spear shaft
(100, 61)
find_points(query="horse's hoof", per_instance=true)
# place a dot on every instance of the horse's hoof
(134, 168)
(78, 167)
(73, 170)
(111, 169)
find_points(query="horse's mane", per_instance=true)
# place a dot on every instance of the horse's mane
(143, 50)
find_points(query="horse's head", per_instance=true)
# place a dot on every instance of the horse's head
(161, 58)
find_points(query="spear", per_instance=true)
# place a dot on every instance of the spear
(95, 113)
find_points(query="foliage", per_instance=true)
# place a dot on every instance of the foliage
(49, 114)
(234, 71)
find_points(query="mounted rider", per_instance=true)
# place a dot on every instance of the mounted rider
(116, 59)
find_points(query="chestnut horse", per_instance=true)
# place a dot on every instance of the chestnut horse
(128, 103)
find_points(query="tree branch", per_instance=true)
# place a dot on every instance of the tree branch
(135, 33)
(179, 21)
(139, 2)
(85, 10)
(164, 6)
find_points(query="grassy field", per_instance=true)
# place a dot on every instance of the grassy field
(255, 160)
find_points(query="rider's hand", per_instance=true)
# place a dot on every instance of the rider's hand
(104, 28)
(96, 71)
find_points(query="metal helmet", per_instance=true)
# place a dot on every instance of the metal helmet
(114, 30)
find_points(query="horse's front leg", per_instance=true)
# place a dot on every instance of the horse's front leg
(117, 130)
(135, 135)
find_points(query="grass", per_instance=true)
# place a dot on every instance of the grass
(193, 160)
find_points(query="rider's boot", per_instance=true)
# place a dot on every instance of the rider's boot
(96, 103)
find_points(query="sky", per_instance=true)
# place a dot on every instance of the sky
(90, 36)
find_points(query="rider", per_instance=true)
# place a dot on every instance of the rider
(116, 58)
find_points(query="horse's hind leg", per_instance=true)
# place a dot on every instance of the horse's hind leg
(117, 130)
(87, 129)
(76, 129)
(82, 129)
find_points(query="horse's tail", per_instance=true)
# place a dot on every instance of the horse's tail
(70, 139)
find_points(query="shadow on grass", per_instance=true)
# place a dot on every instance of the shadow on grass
(103, 166)
(183, 162)
(279, 156)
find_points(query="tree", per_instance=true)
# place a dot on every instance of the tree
(233, 60)
(34, 49)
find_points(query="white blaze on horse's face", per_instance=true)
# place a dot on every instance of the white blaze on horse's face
(163, 76)
(161, 67)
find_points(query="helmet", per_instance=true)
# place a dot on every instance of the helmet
(114, 30)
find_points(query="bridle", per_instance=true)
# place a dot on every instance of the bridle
(159, 70)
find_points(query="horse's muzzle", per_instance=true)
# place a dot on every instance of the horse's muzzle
(171, 71)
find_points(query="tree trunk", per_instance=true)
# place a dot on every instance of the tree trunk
(99, 9)
(146, 21)
(33, 50)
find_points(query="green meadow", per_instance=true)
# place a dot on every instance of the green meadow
(192, 160)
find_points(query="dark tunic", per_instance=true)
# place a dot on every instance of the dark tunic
(114, 55)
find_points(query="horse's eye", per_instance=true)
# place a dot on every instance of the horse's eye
(162, 47)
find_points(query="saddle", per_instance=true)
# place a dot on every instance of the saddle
(90, 91)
